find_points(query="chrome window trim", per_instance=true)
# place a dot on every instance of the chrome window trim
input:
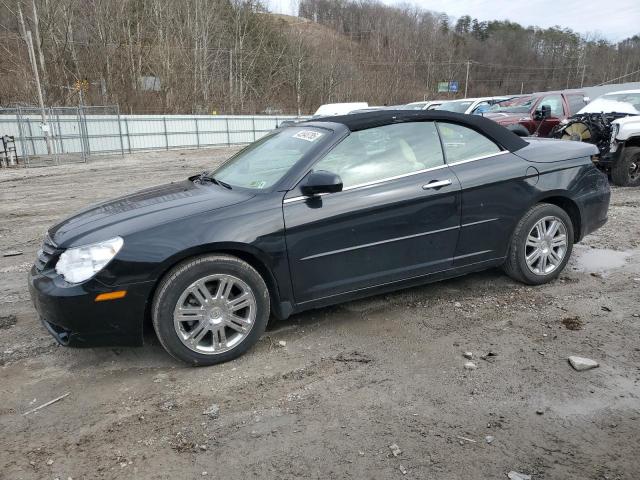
(372, 183)
(481, 157)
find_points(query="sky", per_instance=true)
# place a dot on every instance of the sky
(614, 21)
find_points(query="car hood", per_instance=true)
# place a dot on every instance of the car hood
(152, 206)
(506, 117)
(601, 105)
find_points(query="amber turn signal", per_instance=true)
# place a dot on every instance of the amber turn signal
(111, 295)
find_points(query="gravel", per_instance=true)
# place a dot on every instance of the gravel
(405, 385)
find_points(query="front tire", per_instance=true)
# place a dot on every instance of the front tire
(210, 309)
(541, 245)
(625, 172)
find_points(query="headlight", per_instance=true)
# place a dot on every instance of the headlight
(613, 144)
(81, 263)
(615, 128)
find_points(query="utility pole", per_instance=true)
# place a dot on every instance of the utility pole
(466, 82)
(584, 68)
(43, 113)
(36, 24)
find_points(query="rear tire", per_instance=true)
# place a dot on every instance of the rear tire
(210, 309)
(541, 245)
(626, 171)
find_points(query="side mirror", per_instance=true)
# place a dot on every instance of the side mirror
(321, 182)
(544, 112)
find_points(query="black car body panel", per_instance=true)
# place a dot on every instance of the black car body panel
(319, 250)
(382, 233)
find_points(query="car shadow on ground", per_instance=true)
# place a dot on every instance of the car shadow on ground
(487, 280)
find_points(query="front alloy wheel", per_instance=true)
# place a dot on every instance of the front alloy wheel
(210, 309)
(214, 314)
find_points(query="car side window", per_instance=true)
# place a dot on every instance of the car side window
(381, 153)
(462, 143)
(481, 108)
(555, 103)
(576, 102)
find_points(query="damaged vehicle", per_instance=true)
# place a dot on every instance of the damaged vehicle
(612, 123)
(319, 213)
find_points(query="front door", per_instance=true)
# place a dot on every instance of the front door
(397, 217)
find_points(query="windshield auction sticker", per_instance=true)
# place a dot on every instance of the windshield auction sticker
(308, 135)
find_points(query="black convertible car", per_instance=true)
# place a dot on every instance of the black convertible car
(310, 215)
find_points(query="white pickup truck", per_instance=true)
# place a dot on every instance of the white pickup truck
(612, 122)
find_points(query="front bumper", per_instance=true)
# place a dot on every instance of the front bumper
(71, 314)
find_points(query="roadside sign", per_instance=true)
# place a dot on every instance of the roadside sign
(451, 86)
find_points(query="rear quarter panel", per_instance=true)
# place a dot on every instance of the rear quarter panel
(497, 192)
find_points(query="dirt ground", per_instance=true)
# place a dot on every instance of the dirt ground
(352, 379)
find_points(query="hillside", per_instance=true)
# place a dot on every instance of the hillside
(212, 55)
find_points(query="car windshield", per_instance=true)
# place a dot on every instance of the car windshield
(517, 105)
(263, 163)
(456, 106)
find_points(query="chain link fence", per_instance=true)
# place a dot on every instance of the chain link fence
(76, 133)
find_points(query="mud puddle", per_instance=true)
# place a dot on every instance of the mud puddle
(600, 260)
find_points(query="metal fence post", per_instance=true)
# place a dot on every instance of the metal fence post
(25, 149)
(56, 155)
(166, 136)
(126, 125)
(86, 132)
(60, 136)
(119, 130)
(83, 153)
(228, 132)
(197, 132)
(33, 145)
(253, 126)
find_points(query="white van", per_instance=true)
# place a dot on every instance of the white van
(333, 109)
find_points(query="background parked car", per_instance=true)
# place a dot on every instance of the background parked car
(612, 123)
(331, 109)
(524, 115)
(426, 105)
(471, 105)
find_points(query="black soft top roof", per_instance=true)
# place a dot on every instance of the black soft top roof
(361, 121)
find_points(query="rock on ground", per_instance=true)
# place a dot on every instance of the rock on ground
(582, 363)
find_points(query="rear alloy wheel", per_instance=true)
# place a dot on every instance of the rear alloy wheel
(210, 309)
(541, 245)
(546, 245)
(625, 172)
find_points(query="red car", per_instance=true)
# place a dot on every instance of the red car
(536, 114)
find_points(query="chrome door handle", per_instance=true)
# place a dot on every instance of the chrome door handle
(438, 184)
